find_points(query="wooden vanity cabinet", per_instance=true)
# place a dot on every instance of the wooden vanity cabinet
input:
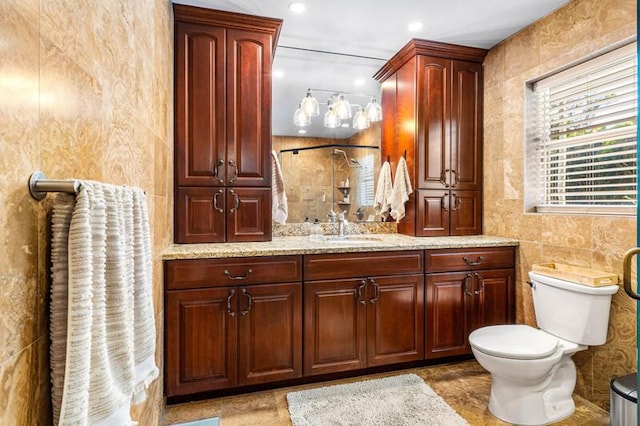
(362, 310)
(466, 289)
(223, 124)
(438, 87)
(232, 322)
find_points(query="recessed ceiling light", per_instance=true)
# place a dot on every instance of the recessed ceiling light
(297, 7)
(302, 131)
(359, 82)
(345, 124)
(414, 27)
(278, 73)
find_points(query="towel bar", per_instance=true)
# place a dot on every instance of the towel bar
(39, 185)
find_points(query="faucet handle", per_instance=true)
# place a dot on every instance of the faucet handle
(341, 216)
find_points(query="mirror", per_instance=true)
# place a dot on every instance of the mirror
(326, 170)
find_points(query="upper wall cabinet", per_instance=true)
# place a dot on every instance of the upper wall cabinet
(432, 108)
(222, 120)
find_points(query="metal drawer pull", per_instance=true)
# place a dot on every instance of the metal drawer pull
(246, 311)
(465, 284)
(229, 311)
(443, 178)
(481, 281)
(363, 283)
(445, 202)
(456, 201)
(469, 262)
(235, 171)
(456, 178)
(236, 201)
(215, 201)
(216, 171)
(238, 277)
(375, 285)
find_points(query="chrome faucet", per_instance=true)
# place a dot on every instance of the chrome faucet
(342, 222)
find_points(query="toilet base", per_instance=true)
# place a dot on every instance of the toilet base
(535, 403)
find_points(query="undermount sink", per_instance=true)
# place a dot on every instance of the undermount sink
(351, 239)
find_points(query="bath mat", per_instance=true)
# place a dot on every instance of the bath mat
(397, 400)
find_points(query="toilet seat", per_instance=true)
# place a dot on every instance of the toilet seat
(514, 342)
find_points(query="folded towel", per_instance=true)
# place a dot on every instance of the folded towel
(279, 207)
(401, 190)
(102, 319)
(384, 189)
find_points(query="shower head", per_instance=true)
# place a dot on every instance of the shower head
(337, 151)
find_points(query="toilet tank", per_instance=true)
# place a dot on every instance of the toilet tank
(574, 312)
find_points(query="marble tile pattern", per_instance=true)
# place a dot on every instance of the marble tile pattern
(87, 89)
(312, 176)
(568, 35)
(464, 386)
(305, 245)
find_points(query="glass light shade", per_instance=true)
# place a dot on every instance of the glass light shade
(373, 110)
(342, 107)
(310, 105)
(331, 119)
(300, 118)
(361, 120)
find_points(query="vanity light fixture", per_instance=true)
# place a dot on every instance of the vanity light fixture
(338, 109)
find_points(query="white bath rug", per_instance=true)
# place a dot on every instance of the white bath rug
(403, 400)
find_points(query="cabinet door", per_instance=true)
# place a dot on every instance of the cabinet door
(248, 108)
(466, 126)
(434, 116)
(494, 298)
(448, 298)
(200, 105)
(200, 216)
(433, 213)
(200, 339)
(395, 319)
(466, 213)
(248, 214)
(334, 326)
(270, 339)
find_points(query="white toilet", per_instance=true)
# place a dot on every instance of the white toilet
(533, 375)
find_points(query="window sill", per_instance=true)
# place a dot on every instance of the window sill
(587, 210)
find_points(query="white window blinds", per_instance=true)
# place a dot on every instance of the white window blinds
(585, 134)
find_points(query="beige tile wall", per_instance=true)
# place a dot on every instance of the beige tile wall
(85, 92)
(568, 35)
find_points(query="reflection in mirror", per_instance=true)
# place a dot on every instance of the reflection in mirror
(326, 170)
(324, 180)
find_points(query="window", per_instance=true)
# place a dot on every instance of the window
(582, 137)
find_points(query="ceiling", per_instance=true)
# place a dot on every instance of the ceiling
(334, 43)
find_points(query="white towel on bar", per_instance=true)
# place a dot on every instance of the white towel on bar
(279, 208)
(382, 200)
(401, 190)
(102, 318)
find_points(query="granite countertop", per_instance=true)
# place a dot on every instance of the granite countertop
(354, 243)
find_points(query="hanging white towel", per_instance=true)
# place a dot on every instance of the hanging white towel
(401, 190)
(278, 196)
(382, 200)
(102, 319)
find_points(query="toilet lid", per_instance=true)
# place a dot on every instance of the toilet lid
(513, 341)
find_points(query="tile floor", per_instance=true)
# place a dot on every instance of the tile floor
(464, 386)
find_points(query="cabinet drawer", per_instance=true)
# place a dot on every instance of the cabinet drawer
(197, 273)
(352, 265)
(469, 259)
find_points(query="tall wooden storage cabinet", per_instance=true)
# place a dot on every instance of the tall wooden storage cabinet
(223, 125)
(432, 109)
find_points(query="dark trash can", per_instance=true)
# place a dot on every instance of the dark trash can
(624, 401)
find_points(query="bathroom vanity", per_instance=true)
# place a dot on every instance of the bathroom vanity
(245, 314)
